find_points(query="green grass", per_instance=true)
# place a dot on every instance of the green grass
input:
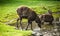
(8, 13)
(6, 30)
(8, 9)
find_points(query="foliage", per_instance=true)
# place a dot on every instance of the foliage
(8, 13)
(6, 30)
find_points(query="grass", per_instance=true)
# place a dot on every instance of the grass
(8, 13)
(6, 30)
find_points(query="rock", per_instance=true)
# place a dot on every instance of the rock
(48, 34)
(37, 32)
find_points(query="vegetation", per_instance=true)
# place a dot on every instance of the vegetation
(6, 30)
(8, 13)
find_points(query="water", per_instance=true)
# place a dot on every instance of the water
(46, 30)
